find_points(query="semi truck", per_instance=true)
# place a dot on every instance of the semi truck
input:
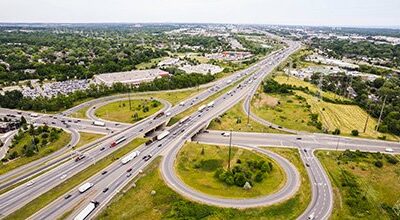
(163, 135)
(118, 141)
(130, 157)
(211, 104)
(99, 123)
(86, 211)
(201, 108)
(85, 187)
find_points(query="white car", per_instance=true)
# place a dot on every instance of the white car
(63, 176)
(225, 134)
(390, 150)
(30, 183)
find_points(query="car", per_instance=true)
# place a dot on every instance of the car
(53, 123)
(116, 124)
(206, 132)
(148, 157)
(298, 138)
(129, 174)
(226, 134)
(390, 150)
(67, 196)
(18, 112)
(305, 150)
(105, 190)
(140, 171)
(69, 120)
(129, 170)
(104, 172)
(159, 145)
(141, 130)
(103, 148)
(307, 164)
(30, 183)
(63, 176)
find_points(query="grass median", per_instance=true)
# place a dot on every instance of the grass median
(54, 193)
(140, 203)
(86, 138)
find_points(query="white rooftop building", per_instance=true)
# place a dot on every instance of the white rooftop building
(134, 77)
(202, 68)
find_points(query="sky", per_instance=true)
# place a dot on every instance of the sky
(365, 13)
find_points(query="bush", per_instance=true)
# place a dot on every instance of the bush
(391, 159)
(336, 131)
(354, 132)
(378, 164)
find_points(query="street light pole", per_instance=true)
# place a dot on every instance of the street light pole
(248, 111)
(380, 115)
(230, 150)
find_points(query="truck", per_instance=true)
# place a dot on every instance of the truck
(211, 104)
(201, 108)
(80, 157)
(182, 103)
(163, 135)
(118, 141)
(130, 157)
(34, 115)
(87, 210)
(159, 115)
(229, 92)
(99, 123)
(85, 187)
(183, 120)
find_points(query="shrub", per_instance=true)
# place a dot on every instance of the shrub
(378, 164)
(354, 132)
(336, 131)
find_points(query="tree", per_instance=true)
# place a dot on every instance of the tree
(336, 131)
(354, 132)
(378, 164)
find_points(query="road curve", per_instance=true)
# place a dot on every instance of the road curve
(287, 191)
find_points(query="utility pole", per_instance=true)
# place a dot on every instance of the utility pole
(248, 111)
(380, 115)
(366, 122)
(129, 97)
(230, 151)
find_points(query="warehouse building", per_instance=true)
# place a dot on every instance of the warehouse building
(134, 77)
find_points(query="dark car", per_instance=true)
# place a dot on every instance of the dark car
(308, 165)
(104, 172)
(103, 148)
(160, 145)
(67, 196)
(299, 138)
(129, 170)
(105, 190)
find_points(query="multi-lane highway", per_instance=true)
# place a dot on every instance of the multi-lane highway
(118, 172)
(19, 196)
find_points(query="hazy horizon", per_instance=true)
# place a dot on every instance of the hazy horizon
(339, 13)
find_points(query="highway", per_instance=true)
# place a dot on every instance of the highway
(6, 140)
(27, 171)
(16, 198)
(179, 132)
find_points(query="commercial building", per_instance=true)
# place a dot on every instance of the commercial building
(202, 68)
(134, 77)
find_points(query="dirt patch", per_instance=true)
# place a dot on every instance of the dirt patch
(266, 100)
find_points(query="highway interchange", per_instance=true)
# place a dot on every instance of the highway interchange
(60, 165)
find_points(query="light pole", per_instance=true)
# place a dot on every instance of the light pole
(230, 150)
(380, 115)
(248, 111)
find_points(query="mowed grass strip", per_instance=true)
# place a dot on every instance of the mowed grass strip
(128, 112)
(209, 158)
(62, 141)
(81, 113)
(138, 202)
(54, 193)
(361, 189)
(86, 138)
(235, 119)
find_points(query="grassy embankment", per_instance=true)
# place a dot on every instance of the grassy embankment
(138, 203)
(26, 140)
(362, 189)
(54, 193)
(291, 112)
(196, 165)
(123, 111)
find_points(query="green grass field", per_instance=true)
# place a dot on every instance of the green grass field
(54, 193)
(284, 110)
(81, 113)
(203, 180)
(86, 138)
(120, 110)
(236, 119)
(51, 147)
(138, 203)
(361, 189)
